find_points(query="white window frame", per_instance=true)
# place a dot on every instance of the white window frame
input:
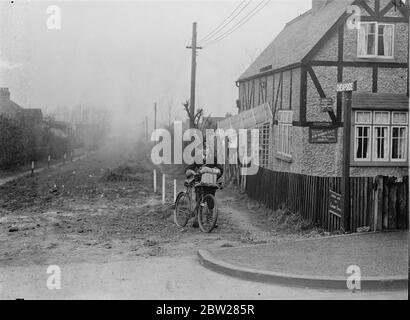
(285, 133)
(372, 124)
(376, 55)
(400, 125)
(369, 143)
(386, 147)
(264, 143)
(406, 151)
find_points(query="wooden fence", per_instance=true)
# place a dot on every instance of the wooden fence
(379, 203)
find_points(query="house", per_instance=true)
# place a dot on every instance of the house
(12, 110)
(290, 94)
(298, 72)
(29, 119)
(9, 108)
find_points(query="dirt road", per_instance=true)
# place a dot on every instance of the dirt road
(99, 221)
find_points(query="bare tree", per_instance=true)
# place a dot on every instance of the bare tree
(198, 120)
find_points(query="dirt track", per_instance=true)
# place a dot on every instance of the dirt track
(87, 212)
(100, 213)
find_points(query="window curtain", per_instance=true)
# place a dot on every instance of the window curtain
(362, 40)
(388, 40)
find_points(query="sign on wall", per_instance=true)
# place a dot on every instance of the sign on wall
(323, 135)
(346, 87)
(335, 204)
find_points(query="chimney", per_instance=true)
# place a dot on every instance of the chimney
(4, 95)
(319, 4)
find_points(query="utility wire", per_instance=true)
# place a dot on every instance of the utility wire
(244, 20)
(226, 22)
(221, 24)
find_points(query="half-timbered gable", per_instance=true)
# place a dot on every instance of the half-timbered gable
(299, 70)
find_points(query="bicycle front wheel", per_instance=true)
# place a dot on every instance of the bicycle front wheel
(182, 209)
(208, 213)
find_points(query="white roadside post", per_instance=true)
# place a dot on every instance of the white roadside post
(163, 189)
(32, 168)
(155, 181)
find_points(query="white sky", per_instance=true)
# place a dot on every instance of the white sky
(126, 55)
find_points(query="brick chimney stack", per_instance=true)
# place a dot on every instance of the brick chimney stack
(4, 95)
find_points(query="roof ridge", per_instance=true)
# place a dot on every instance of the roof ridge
(296, 39)
(301, 16)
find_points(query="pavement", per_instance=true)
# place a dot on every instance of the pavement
(320, 262)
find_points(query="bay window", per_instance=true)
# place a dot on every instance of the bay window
(380, 136)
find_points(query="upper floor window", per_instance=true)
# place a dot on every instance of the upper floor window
(381, 136)
(375, 40)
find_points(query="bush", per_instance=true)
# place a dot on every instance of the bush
(11, 143)
(53, 143)
(22, 142)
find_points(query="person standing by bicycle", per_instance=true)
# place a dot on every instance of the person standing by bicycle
(193, 171)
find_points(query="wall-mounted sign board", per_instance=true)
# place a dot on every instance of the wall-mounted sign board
(335, 203)
(346, 87)
(323, 135)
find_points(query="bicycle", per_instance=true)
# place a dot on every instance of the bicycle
(206, 207)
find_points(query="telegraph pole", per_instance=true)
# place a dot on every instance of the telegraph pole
(193, 48)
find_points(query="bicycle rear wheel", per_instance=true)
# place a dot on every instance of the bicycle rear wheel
(208, 213)
(182, 209)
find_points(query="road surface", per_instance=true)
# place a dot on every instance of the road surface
(155, 278)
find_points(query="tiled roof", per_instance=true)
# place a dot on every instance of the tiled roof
(297, 38)
(380, 101)
(10, 108)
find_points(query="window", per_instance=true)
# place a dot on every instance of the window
(264, 135)
(262, 91)
(380, 136)
(285, 130)
(381, 133)
(399, 136)
(376, 40)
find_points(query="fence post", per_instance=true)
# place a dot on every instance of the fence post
(65, 156)
(48, 161)
(72, 156)
(378, 204)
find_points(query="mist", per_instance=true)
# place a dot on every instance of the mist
(124, 56)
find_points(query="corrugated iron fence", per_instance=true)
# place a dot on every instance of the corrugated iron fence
(379, 203)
